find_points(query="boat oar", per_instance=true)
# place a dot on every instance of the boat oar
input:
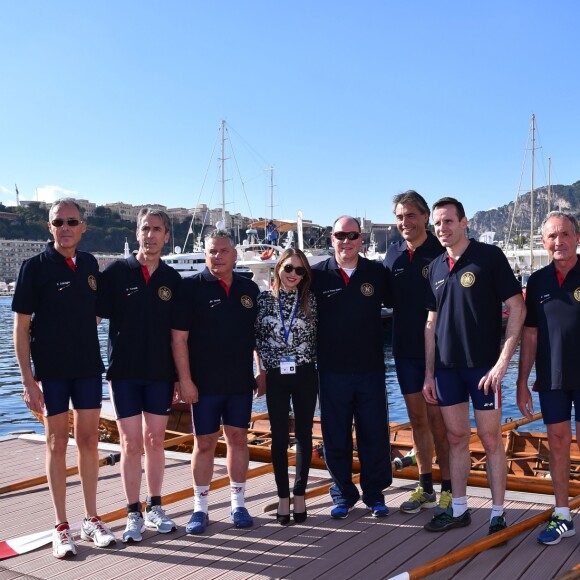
(572, 574)
(110, 459)
(24, 544)
(188, 491)
(480, 545)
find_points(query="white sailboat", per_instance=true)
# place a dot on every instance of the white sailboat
(533, 255)
(256, 258)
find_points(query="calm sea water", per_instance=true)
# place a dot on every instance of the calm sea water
(15, 416)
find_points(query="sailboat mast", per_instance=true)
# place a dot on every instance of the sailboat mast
(549, 184)
(532, 194)
(223, 160)
(272, 192)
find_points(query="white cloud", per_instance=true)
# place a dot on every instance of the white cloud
(11, 195)
(50, 193)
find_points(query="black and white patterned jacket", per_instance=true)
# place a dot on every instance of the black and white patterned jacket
(270, 341)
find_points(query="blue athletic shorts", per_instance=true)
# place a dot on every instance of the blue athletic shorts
(132, 397)
(211, 410)
(410, 374)
(84, 394)
(556, 406)
(455, 386)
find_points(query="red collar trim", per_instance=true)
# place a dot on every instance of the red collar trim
(146, 274)
(225, 287)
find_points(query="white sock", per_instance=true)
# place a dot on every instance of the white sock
(237, 491)
(564, 511)
(496, 511)
(459, 506)
(200, 498)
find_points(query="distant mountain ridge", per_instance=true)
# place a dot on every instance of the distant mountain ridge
(564, 197)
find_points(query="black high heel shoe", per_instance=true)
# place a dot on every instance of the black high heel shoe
(283, 519)
(300, 517)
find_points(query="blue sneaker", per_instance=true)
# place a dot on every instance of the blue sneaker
(379, 510)
(197, 523)
(241, 518)
(339, 512)
(558, 527)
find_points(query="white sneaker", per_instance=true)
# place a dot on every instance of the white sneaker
(155, 519)
(62, 542)
(134, 528)
(96, 531)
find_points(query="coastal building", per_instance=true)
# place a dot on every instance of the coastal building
(125, 210)
(13, 253)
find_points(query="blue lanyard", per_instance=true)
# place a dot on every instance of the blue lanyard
(287, 331)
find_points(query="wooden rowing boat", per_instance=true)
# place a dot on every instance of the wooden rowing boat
(527, 452)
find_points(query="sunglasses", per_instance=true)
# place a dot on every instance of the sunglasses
(289, 268)
(71, 222)
(346, 235)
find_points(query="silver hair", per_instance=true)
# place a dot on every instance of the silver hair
(220, 235)
(145, 211)
(411, 196)
(564, 215)
(70, 201)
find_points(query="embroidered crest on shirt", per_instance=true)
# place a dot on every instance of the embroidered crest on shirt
(92, 282)
(246, 301)
(467, 279)
(425, 271)
(577, 294)
(164, 293)
(367, 289)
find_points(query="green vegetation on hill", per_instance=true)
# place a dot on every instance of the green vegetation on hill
(106, 231)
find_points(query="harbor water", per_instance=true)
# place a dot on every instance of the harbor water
(15, 416)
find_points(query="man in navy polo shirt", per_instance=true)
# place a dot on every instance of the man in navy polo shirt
(464, 357)
(137, 294)
(213, 343)
(550, 338)
(407, 263)
(55, 324)
(349, 292)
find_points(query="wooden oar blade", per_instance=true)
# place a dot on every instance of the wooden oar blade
(24, 544)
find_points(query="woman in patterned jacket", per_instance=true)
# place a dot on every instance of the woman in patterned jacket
(286, 343)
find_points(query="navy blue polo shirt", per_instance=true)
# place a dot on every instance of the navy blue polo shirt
(350, 329)
(409, 283)
(555, 312)
(63, 340)
(468, 301)
(221, 332)
(139, 320)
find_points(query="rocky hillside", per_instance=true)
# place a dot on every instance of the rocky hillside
(564, 197)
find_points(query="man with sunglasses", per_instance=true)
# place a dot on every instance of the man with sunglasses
(55, 325)
(350, 291)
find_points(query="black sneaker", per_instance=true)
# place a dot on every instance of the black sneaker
(446, 521)
(497, 524)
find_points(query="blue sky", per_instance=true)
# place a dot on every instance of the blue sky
(352, 102)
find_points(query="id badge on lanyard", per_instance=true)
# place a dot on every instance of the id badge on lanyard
(288, 365)
(288, 362)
